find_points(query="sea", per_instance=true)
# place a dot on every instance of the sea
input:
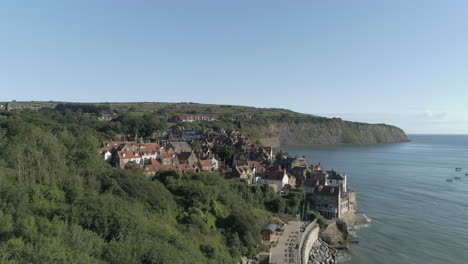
(416, 215)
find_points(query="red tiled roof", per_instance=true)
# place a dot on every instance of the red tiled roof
(128, 154)
(149, 146)
(149, 168)
(206, 163)
(272, 174)
(185, 167)
(164, 155)
(316, 167)
(155, 162)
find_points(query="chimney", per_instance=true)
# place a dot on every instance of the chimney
(344, 184)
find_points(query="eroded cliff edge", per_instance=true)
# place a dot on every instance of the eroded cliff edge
(324, 131)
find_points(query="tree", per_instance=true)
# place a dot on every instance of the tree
(196, 146)
(37, 156)
(225, 152)
(6, 225)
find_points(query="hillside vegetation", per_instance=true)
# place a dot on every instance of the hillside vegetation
(60, 203)
(272, 126)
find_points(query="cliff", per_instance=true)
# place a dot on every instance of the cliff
(322, 131)
(274, 127)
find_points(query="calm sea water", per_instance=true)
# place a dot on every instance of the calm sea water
(417, 216)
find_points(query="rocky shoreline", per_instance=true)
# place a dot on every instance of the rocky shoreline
(332, 245)
(322, 253)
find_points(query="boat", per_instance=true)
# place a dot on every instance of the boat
(458, 169)
(449, 180)
(457, 178)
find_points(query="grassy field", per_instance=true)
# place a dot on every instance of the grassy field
(179, 108)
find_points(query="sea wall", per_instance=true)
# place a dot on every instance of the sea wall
(311, 234)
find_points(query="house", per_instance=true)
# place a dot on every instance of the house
(108, 149)
(192, 118)
(317, 167)
(334, 201)
(187, 158)
(244, 172)
(301, 173)
(215, 163)
(158, 134)
(130, 146)
(125, 157)
(165, 158)
(158, 166)
(186, 168)
(268, 153)
(206, 165)
(276, 176)
(147, 155)
(326, 200)
(149, 170)
(313, 180)
(210, 145)
(309, 185)
(106, 117)
(334, 179)
(189, 135)
(107, 155)
(296, 162)
(151, 147)
(179, 147)
(268, 232)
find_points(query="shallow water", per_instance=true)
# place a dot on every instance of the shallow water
(417, 216)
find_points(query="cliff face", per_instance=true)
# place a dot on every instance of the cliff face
(325, 132)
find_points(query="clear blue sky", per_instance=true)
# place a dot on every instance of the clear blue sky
(403, 62)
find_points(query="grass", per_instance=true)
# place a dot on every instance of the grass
(180, 108)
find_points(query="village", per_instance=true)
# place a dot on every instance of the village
(236, 157)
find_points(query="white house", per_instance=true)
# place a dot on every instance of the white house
(107, 155)
(215, 164)
(278, 177)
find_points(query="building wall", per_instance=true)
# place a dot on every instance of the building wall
(279, 184)
(299, 163)
(268, 236)
(350, 216)
(107, 155)
(352, 200)
(333, 200)
(150, 156)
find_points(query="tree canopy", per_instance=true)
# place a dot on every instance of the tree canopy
(60, 203)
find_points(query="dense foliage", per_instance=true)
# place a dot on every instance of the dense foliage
(60, 203)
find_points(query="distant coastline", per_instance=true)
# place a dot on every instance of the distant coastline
(274, 127)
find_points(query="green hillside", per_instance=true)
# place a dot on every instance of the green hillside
(272, 126)
(60, 203)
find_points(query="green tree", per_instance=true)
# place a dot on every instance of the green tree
(6, 225)
(225, 152)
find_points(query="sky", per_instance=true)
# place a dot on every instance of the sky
(401, 62)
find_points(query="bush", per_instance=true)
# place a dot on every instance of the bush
(321, 221)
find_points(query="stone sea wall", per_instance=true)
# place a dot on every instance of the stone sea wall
(311, 234)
